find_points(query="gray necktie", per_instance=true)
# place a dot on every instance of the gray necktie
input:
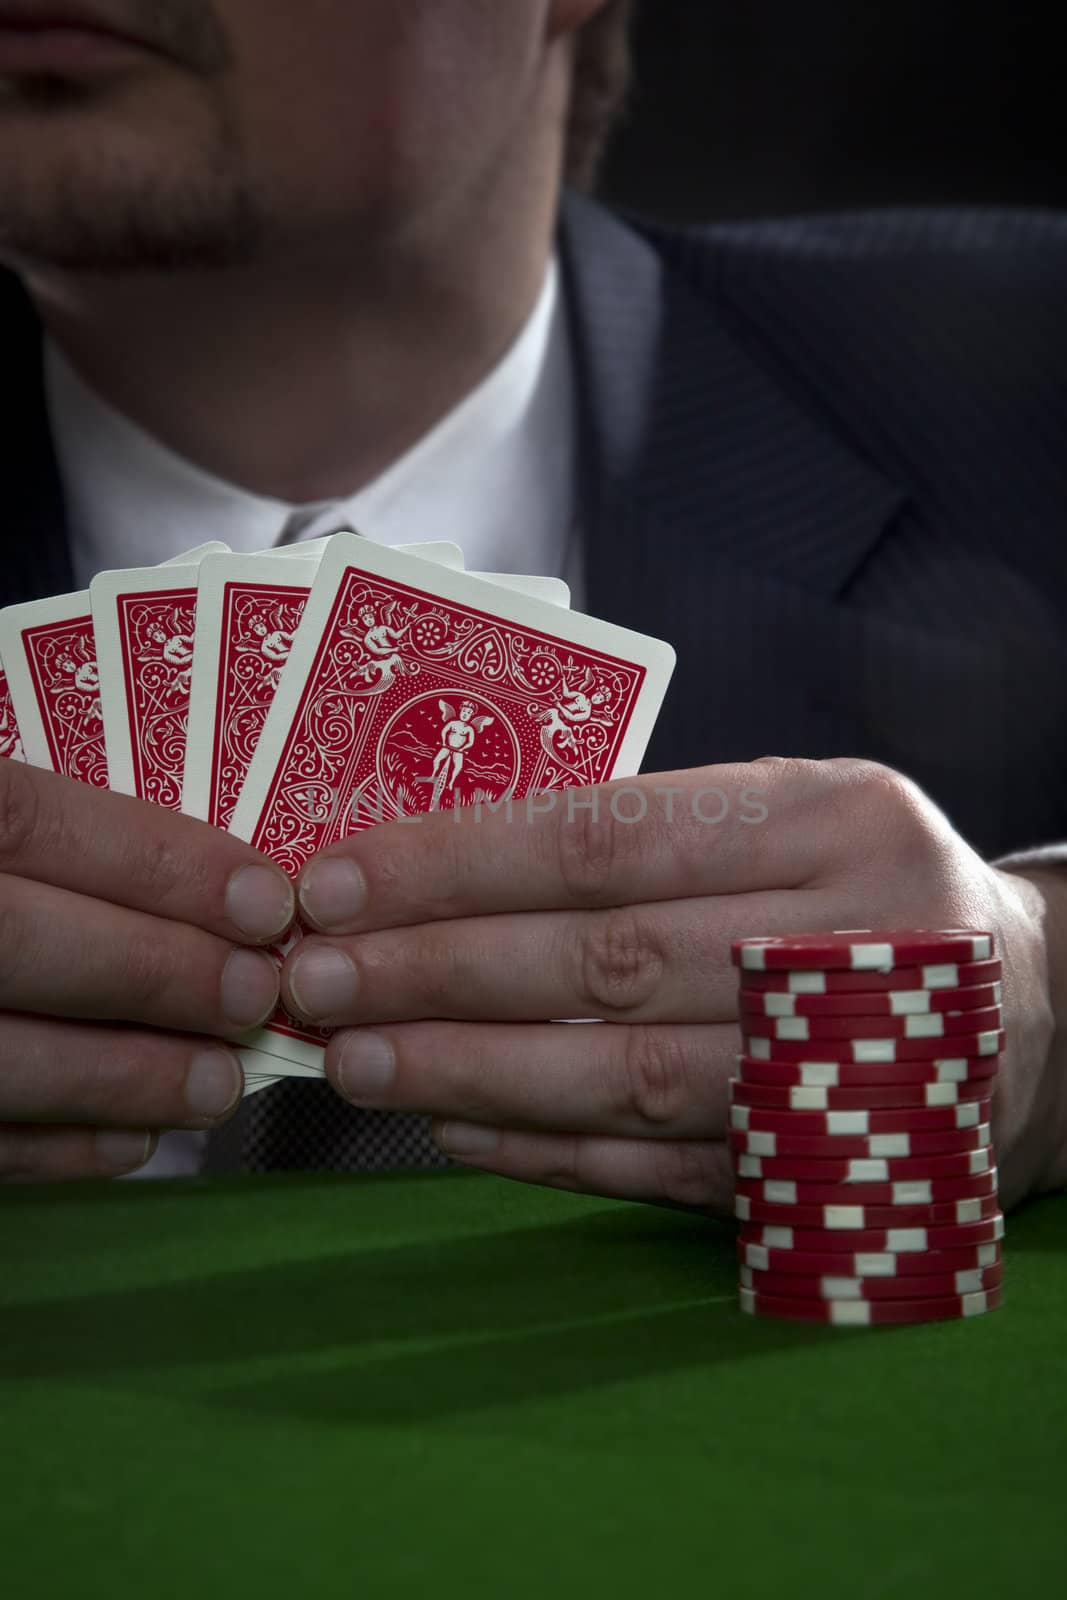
(298, 522)
(302, 1124)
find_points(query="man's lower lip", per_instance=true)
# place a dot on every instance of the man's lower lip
(25, 52)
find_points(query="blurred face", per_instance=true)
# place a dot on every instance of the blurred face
(162, 133)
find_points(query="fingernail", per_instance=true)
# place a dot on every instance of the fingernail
(367, 1070)
(249, 988)
(121, 1151)
(324, 983)
(260, 901)
(467, 1139)
(333, 893)
(212, 1085)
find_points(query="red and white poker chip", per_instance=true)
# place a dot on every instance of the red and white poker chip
(867, 1075)
(865, 1263)
(926, 1025)
(837, 1286)
(862, 950)
(837, 981)
(859, 1122)
(870, 1313)
(807, 1097)
(869, 1003)
(857, 1147)
(873, 1051)
(866, 1169)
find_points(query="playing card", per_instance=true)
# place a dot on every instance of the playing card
(553, 591)
(410, 689)
(49, 655)
(193, 558)
(258, 1066)
(145, 619)
(261, 1071)
(248, 610)
(441, 551)
(308, 548)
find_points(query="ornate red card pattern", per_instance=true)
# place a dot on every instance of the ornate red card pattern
(62, 664)
(416, 704)
(10, 741)
(156, 640)
(258, 624)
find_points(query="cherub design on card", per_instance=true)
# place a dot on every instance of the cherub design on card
(380, 632)
(165, 648)
(67, 671)
(62, 663)
(578, 723)
(267, 637)
(436, 754)
(459, 732)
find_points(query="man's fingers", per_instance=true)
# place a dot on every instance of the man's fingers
(67, 956)
(648, 1082)
(54, 1155)
(720, 830)
(114, 848)
(695, 1176)
(121, 1078)
(665, 962)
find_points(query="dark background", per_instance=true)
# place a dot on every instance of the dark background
(754, 107)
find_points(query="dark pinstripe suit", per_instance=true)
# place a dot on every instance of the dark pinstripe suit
(826, 459)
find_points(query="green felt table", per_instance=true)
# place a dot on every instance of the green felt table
(444, 1384)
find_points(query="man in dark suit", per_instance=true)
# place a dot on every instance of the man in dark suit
(270, 252)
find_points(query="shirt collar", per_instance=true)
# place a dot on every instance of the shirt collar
(496, 475)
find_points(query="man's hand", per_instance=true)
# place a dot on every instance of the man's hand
(455, 941)
(121, 929)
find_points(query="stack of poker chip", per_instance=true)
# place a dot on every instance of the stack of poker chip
(866, 1184)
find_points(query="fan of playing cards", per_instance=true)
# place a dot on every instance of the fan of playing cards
(298, 696)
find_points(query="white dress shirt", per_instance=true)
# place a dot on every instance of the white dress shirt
(496, 476)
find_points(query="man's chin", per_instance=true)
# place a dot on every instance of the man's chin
(97, 208)
(110, 240)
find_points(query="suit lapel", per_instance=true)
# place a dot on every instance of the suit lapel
(36, 555)
(694, 452)
(717, 511)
